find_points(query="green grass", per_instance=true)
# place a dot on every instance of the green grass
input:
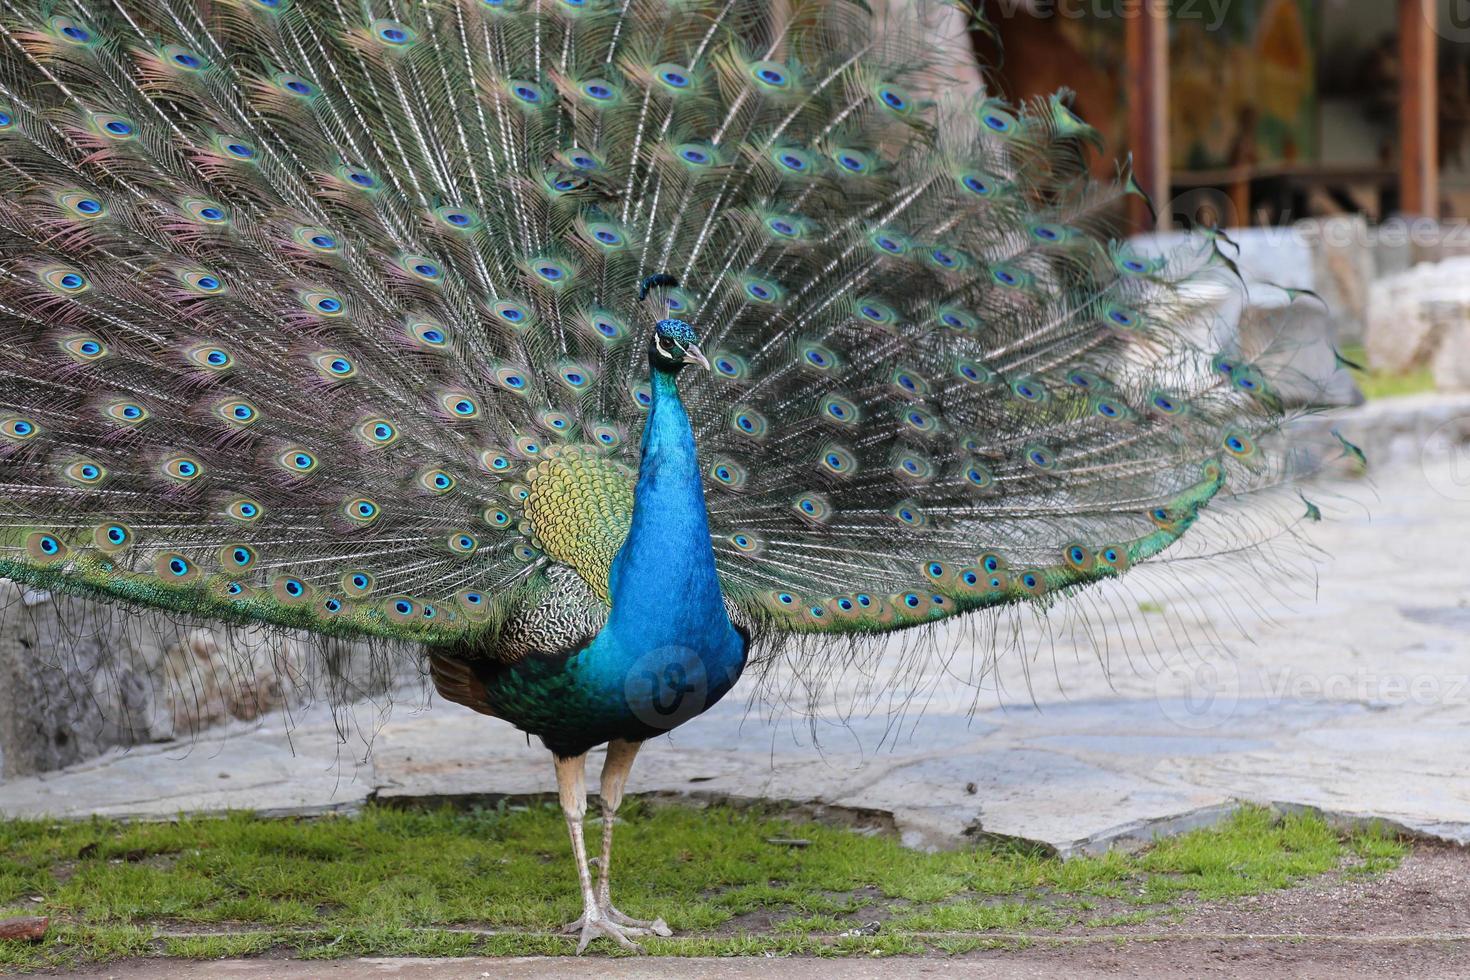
(403, 882)
(1376, 384)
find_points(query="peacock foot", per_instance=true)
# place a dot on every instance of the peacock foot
(618, 927)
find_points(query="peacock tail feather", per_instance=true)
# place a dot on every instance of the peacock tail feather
(327, 316)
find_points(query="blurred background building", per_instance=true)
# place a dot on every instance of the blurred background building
(1293, 108)
(1332, 137)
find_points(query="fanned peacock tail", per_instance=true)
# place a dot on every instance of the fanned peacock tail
(327, 315)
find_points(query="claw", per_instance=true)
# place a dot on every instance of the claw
(599, 926)
(615, 925)
(646, 927)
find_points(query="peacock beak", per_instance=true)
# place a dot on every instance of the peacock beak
(693, 355)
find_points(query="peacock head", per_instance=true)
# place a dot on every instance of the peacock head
(674, 345)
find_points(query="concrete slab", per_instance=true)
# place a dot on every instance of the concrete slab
(1349, 694)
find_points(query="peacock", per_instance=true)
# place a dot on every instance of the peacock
(598, 348)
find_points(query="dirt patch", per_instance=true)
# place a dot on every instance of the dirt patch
(1244, 958)
(1424, 896)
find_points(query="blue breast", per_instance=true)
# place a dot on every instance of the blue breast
(668, 650)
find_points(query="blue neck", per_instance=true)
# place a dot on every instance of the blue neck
(663, 583)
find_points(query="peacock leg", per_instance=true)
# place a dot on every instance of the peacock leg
(614, 778)
(615, 769)
(571, 785)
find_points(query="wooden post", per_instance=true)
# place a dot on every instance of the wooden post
(1148, 107)
(1419, 108)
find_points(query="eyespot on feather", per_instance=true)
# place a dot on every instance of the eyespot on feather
(237, 559)
(84, 348)
(359, 178)
(459, 406)
(182, 59)
(794, 161)
(182, 469)
(80, 204)
(290, 590)
(237, 412)
(1079, 557)
(954, 318)
(377, 433)
(298, 461)
(816, 357)
(125, 412)
(913, 466)
(113, 127)
(978, 475)
(392, 35)
(362, 510)
(909, 383)
(85, 472)
(473, 603)
(175, 569)
(909, 514)
(836, 408)
(462, 543)
(427, 334)
(814, 508)
(204, 211)
(748, 422)
(64, 280)
(244, 510)
(875, 312)
(401, 609)
(1029, 581)
(727, 473)
(1040, 457)
(210, 358)
(295, 86)
(201, 282)
(1114, 558)
(358, 583)
(112, 537)
(517, 315)
(322, 302)
(436, 481)
(854, 162)
(746, 542)
(674, 78)
(895, 99)
(835, 459)
(421, 267)
(46, 547)
(606, 436)
(316, 239)
(334, 365)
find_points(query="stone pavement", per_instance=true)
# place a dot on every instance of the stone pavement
(1350, 694)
